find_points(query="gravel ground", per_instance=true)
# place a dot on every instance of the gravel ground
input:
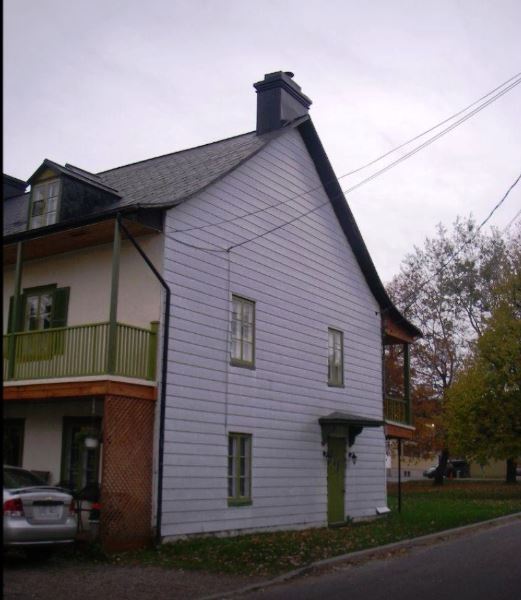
(60, 579)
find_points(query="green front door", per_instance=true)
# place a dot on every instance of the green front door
(336, 469)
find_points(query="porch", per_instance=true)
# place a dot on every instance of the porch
(82, 350)
(49, 428)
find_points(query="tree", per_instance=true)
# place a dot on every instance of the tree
(447, 289)
(483, 413)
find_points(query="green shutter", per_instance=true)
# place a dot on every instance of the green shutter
(20, 319)
(60, 308)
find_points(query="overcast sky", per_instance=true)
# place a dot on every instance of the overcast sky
(103, 83)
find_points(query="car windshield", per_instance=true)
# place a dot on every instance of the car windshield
(19, 478)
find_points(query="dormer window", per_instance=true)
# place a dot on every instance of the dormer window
(44, 204)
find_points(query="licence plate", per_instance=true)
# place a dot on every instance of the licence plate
(47, 512)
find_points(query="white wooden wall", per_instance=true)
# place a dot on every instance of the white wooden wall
(304, 278)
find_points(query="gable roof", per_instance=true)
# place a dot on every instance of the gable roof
(168, 180)
(74, 172)
(157, 182)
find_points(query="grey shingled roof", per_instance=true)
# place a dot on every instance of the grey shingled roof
(16, 211)
(167, 180)
(74, 172)
(161, 181)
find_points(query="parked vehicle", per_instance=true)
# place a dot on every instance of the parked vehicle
(430, 472)
(455, 468)
(37, 517)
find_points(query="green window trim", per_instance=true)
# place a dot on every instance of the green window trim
(54, 316)
(242, 353)
(240, 502)
(335, 370)
(239, 469)
(44, 203)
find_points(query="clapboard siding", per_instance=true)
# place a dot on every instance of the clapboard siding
(303, 278)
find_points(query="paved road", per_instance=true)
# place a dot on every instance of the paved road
(484, 565)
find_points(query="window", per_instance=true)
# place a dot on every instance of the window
(239, 469)
(42, 307)
(13, 446)
(80, 465)
(44, 204)
(335, 373)
(243, 332)
(38, 310)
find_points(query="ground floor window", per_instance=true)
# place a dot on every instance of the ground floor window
(239, 469)
(13, 446)
(80, 465)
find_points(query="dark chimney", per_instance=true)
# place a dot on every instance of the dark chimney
(279, 101)
(13, 186)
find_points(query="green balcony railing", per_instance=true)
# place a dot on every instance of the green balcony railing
(80, 350)
(397, 410)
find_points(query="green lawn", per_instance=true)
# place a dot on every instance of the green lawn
(425, 509)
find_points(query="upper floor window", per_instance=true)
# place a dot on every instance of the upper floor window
(44, 204)
(335, 373)
(38, 310)
(243, 332)
(44, 307)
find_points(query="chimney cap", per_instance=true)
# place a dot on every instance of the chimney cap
(279, 101)
(283, 80)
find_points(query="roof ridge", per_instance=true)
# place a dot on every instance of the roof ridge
(81, 171)
(137, 162)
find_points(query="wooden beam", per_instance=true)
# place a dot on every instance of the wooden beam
(401, 433)
(68, 240)
(394, 333)
(75, 389)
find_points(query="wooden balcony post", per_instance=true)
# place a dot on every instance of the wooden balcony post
(407, 383)
(112, 349)
(11, 352)
(152, 351)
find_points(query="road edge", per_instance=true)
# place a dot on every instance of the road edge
(440, 536)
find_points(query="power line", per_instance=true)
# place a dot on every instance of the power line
(518, 214)
(349, 190)
(463, 110)
(384, 169)
(280, 226)
(465, 243)
(431, 140)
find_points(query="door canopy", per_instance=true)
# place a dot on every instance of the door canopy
(340, 424)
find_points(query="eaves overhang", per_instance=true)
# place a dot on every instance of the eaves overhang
(130, 211)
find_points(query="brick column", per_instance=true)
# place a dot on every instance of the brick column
(126, 486)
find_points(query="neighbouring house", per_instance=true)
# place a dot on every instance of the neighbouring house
(247, 397)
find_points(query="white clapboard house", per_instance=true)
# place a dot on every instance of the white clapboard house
(250, 395)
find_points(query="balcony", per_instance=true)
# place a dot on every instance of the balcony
(82, 350)
(397, 411)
